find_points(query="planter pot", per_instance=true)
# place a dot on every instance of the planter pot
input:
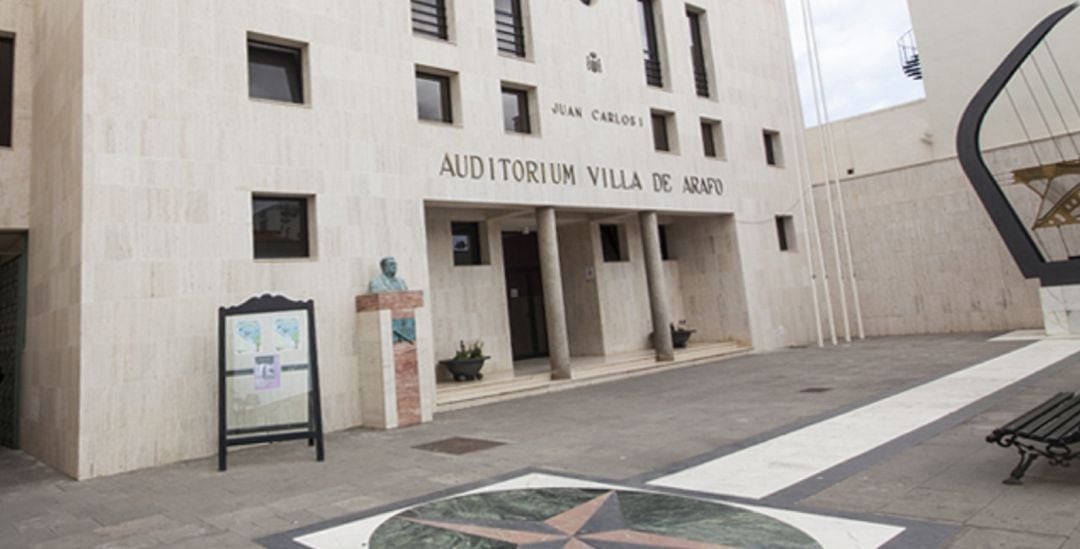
(679, 338)
(466, 369)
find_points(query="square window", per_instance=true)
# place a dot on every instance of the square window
(466, 243)
(611, 243)
(429, 18)
(275, 72)
(774, 155)
(7, 88)
(785, 232)
(712, 138)
(665, 252)
(433, 97)
(280, 227)
(516, 110)
(661, 130)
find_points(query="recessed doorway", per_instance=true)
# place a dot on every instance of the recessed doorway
(525, 295)
(12, 332)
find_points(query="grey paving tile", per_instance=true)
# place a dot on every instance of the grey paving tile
(611, 431)
(1003, 539)
(1050, 509)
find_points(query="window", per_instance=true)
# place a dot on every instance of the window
(654, 74)
(275, 72)
(466, 242)
(280, 227)
(516, 110)
(510, 27)
(773, 153)
(785, 232)
(433, 97)
(7, 88)
(611, 243)
(697, 52)
(665, 253)
(661, 122)
(712, 138)
(429, 18)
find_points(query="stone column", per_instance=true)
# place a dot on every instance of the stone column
(389, 370)
(554, 308)
(658, 301)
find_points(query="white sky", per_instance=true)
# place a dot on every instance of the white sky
(859, 56)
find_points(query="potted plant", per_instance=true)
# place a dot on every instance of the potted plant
(680, 334)
(467, 362)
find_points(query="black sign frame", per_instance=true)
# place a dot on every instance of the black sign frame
(312, 430)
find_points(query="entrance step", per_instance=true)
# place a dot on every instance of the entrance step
(586, 371)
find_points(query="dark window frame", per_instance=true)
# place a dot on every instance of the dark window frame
(773, 152)
(446, 96)
(510, 29)
(430, 18)
(300, 248)
(291, 57)
(7, 90)
(785, 227)
(654, 68)
(697, 52)
(523, 122)
(710, 147)
(611, 244)
(473, 231)
(661, 132)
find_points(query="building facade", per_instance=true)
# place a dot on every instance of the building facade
(927, 256)
(171, 157)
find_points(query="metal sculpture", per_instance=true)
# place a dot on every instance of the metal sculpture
(1060, 197)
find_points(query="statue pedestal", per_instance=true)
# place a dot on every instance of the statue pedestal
(389, 374)
(1061, 310)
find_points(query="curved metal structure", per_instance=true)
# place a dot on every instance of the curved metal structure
(1031, 261)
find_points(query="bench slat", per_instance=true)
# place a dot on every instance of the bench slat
(1066, 420)
(1021, 424)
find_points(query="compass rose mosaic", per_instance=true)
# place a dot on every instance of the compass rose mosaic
(575, 518)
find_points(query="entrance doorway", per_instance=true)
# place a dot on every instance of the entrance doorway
(528, 325)
(12, 315)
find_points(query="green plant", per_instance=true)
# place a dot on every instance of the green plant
(471, 351)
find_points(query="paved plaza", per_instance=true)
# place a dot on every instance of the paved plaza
(879, 443)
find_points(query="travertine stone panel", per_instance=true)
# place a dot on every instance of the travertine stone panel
(624, 292)
(53, 390)
(710, 276)
(927, 256)
(468, 303)
(17, 18)
(580, 294)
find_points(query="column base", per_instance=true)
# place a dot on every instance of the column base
(1061, 310)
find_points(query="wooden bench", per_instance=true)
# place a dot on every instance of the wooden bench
(1047, 430)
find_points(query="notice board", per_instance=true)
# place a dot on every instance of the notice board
(268, 375)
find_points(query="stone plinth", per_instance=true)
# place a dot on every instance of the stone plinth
(1061, 310)
(389, 373)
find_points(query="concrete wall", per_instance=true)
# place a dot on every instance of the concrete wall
(962, 41)
(17, 18)
(711, 276)
(55, 396)
(468, 303)
(581, 294)
(875, 142)
(927, 257)
(624, 293)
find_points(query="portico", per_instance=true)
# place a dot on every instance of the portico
(579, 290)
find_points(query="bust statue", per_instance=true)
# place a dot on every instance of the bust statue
(388, 280)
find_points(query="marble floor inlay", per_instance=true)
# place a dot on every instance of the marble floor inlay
(542, 511)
